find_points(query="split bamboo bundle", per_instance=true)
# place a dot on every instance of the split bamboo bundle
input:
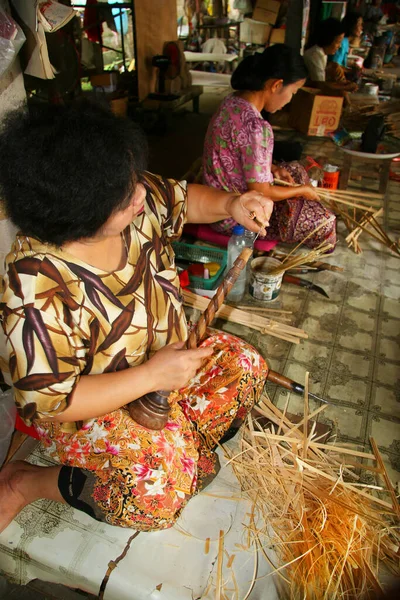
(318, 265)
(330, 531)
(243, 317)
(359, 213)
(293, 261)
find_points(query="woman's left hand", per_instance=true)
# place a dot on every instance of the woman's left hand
(282, 174)
(250, 206)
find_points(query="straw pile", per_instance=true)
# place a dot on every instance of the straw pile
(331, 532)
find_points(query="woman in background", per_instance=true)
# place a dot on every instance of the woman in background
(239, 145)
(337, 64)
(329, 39)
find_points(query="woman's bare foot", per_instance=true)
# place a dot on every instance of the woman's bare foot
(22, 483)
(12, 500)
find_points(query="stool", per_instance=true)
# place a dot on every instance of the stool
(384, 161)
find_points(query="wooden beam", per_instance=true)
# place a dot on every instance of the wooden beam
(155, 24)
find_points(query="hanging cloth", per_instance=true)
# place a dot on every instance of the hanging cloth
(92, 21)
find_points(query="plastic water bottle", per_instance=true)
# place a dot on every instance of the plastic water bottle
(240, 238)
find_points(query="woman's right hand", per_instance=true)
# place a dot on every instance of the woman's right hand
(308, 192)
(172, 367)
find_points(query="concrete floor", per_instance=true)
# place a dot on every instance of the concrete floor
(352, 350)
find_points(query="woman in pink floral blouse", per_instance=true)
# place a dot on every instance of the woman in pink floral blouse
(239, 145)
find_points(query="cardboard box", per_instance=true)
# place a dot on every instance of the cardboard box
(271, 5)
(315, 114)
(266, 11)
(107, 80)
(277, 36)
(254, 32)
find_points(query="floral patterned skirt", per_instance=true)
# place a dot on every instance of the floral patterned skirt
(124, 474)
(294, 219)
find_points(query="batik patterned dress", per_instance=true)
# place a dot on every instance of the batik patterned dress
(63, 319)
(237, 152)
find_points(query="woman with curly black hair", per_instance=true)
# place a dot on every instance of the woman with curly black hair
(92, 319)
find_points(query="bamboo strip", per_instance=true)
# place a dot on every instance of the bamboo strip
(377, 454)
(317, 264)
(356, 193)
(363, 222)
(218, 594)
(263, 324)
(329, 534)
(323, 224)
(264, 309)
(301, 259)
(338, 192)
(348, 485)
(327, 197)
(382, 237)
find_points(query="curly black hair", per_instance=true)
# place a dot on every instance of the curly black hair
(65, 170)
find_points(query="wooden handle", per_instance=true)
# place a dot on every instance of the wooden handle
(285, 382)
(223, 290)
(152, 410)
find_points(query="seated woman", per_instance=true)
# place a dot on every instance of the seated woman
(328, 39)
(93, 319)
(337, 68)
(239, 144)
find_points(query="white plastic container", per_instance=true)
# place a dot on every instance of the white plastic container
(263, 286)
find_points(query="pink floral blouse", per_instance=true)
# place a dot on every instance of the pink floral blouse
(238, 147)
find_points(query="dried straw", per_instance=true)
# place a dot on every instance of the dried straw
(331, 536)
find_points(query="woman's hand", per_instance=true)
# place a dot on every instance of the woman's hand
(241, 208)
(308, 192)
(172, 367)
(282, 174)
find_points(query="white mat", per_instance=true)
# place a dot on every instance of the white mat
(211, 79)
(56, 543)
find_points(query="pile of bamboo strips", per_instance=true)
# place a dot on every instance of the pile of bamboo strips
(254, 320)
(293, 261)
(316, 264)
(330, 531)
(362, 220)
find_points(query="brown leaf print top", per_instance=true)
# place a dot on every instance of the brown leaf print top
(63, 318)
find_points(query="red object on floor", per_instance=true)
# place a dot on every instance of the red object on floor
(20, 426)
(207, 234)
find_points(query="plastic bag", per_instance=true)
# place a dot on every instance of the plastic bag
(11, 40)
(243, 6)
(8, 412)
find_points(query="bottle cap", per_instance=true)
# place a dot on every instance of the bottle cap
(238, 230)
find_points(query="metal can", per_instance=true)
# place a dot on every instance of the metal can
(331, 177)
(263, 286)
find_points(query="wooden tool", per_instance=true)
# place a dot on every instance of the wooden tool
(152, 409)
